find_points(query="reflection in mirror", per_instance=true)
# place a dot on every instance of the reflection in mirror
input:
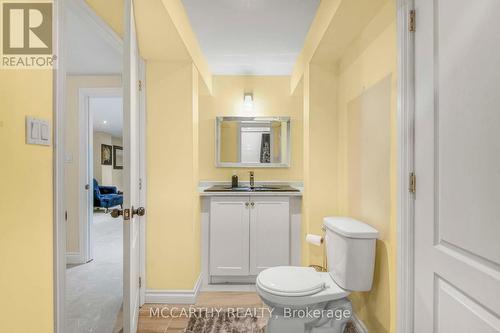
(253, 141)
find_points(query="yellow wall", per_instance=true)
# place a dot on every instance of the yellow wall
(320, 154)
(367, 109)
(229, 132)
(271, 98)
(173, 240)
(350, 106)
(111, 11)
(180, 19)
(322, 20)
(25, 205)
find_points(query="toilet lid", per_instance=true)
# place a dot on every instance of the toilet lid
(291, 281)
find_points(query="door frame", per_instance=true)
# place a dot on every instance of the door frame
(405, 214)
(59, 232)
(143, 176)
(59, 229)
(85, 165)
(406, 143)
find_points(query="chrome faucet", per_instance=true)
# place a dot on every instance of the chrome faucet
(252, 179)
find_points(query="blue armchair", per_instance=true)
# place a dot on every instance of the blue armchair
(106, 196)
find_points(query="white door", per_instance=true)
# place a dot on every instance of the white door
(229, 236)
(457, 161)
(269, 233)
(250, 145)
(132, 199)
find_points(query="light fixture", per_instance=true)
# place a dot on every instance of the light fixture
(248, 101)
(104, 122)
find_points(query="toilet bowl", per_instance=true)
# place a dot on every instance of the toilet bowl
(304, 300)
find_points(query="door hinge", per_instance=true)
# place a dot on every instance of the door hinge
(140, 282)
(140, 85)
(66, 215)
(411, 21)
(140, 183)
(412, 184)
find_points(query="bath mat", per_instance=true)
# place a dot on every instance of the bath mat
(225, 323)
(232, 323)
(350, 328)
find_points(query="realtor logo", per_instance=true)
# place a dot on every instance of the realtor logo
(27, 34)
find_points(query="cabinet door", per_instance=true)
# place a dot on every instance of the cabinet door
(269, 233)
(229, 236)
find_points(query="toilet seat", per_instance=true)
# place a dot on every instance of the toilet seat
(281, 287)
(291, 281)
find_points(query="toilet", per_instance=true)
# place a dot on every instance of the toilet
(304, 300)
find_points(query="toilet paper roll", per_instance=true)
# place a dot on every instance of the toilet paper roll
(314, 239)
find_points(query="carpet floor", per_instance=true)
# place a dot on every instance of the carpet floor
(94, 290)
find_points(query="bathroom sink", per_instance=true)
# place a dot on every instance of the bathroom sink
(265, 188)
(228, 188)
(258, 188)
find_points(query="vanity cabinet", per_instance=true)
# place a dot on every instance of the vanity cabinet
(229, 236)
(269, 233)
(248, 234)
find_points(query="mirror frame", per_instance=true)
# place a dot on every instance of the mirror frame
(219, 164)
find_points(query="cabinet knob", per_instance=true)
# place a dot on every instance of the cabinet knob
(246, 204)
(253, 204)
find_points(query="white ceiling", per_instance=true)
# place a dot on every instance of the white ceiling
(251, 37)
(90, 46)
(107, 114)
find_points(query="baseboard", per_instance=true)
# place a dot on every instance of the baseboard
(360, 327)
(155, 296)
(74, 258)
(232, 280)
(248, 288)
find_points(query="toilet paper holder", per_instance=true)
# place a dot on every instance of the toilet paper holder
(324, 267)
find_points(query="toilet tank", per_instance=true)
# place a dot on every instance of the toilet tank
(350, 250)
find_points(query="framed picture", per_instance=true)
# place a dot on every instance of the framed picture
(106, 154)
(118, 157)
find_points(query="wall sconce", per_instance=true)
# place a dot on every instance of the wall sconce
(248, 101)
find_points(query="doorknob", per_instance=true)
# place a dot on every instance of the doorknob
(117, 212)
(127, 212)
(138, 211)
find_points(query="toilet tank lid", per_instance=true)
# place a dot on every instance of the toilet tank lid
(349, 227)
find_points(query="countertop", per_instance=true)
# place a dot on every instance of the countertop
(206, 184)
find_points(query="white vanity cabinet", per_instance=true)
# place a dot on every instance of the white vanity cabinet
(248, 234)
(229, 236)
(269, 233)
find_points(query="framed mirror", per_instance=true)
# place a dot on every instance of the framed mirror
(255, 142)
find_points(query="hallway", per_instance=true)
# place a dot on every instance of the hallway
(94, 290)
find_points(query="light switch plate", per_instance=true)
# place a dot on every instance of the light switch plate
(37, 131)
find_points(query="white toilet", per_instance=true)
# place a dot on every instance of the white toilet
(304, 300)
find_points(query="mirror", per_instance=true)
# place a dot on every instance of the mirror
(253, 142)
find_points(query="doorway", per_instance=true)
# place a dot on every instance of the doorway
(94, 280)
(95, 69)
